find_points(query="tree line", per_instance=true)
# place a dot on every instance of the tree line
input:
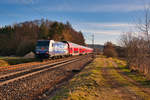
(20, 39)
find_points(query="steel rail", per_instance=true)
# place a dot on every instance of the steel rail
(9, 78)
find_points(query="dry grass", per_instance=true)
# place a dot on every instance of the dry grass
(83, 86)
(101, 81)
(3, 63)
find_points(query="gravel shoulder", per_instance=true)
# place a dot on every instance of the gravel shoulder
(35, 86)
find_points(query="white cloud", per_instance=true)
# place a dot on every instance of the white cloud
(104, 32)
(28, 1)
(73, 7)
(96, 24)
(94, 8)
(116, 7)
(20, 1)
(103, 28)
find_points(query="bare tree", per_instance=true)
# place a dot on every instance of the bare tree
(138, 45)
(144, 24)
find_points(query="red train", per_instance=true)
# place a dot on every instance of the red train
(51, 48)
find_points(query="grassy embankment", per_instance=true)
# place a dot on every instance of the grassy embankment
(84, 85)
(6, 61)
(92, 83)
(136, 76)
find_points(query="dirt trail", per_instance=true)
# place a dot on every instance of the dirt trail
(144, 89)
(122, 88)
(102, 80)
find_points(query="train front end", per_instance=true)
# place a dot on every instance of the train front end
(42, 48)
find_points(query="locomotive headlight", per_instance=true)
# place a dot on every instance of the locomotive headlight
(47, 53)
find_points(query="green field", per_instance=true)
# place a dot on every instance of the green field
(6, 61)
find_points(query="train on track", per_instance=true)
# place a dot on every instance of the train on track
(54, 49)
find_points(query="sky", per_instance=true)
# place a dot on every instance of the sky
(106, 19)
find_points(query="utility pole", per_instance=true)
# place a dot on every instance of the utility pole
(93, 43)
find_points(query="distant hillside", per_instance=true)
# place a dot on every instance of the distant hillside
(97, 46)
(20, 39)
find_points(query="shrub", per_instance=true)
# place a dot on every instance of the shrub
(109, 50)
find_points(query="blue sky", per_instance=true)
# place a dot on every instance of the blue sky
(106, 19)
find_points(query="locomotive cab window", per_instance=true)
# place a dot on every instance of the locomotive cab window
(43, 43)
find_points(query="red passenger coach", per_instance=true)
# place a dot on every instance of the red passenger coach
(75, 49)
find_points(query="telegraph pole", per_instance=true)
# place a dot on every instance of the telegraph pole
(93, 43)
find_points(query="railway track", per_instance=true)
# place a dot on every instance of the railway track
(15, 76)
(19, 67)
